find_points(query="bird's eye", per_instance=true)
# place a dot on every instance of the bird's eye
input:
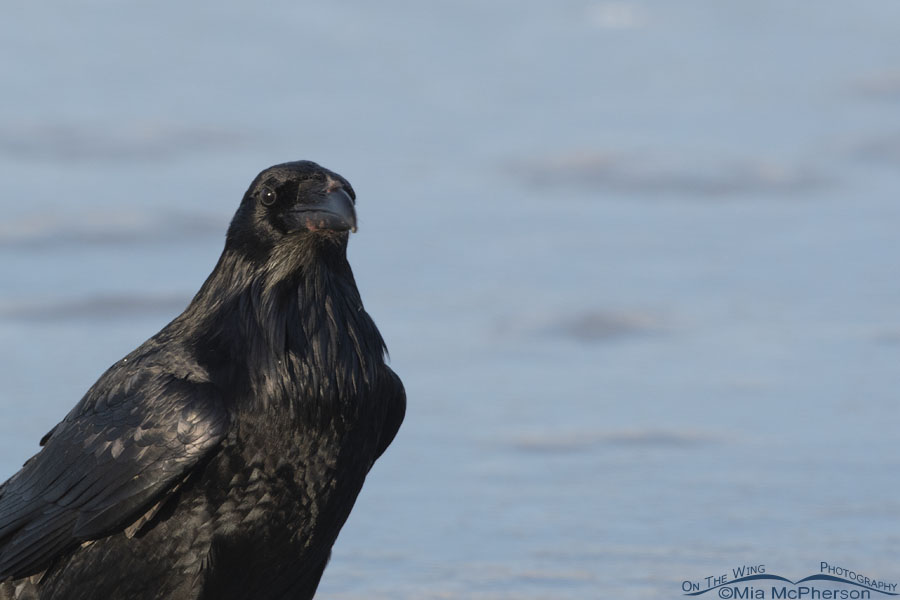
(267, 196)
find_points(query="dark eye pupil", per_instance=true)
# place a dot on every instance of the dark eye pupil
(268, 196)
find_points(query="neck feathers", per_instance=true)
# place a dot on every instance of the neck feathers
(296, 326)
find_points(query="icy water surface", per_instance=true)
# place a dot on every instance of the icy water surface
(636, 262)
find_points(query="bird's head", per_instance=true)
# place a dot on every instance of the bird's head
(294, 203)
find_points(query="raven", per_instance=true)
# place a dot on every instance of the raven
(220, 459)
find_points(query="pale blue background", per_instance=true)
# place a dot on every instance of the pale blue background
(636, 262)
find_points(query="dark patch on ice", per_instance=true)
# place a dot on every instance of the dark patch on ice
(648, 175)
(884, 86)
(599, 326)
(579, 441)
(111, 141)
(96, 308)
(589, 326)
(43, 231)
(884, 149)
(888, 337)
(862, 508)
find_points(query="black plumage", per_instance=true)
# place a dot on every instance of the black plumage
(220, 459)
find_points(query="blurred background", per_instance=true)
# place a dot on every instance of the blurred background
(636, 262)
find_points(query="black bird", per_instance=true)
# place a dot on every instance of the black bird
(220, 459)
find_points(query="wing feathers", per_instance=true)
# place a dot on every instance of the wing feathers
(113, 457)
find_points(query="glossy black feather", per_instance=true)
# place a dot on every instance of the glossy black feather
(221, 458)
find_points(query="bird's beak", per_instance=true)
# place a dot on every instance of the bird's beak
(334, 212)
